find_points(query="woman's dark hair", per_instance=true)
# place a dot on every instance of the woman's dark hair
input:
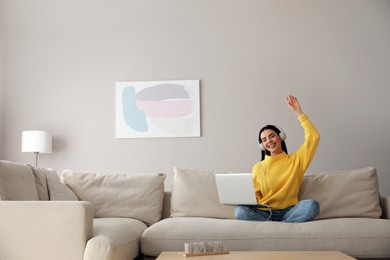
(274, 128)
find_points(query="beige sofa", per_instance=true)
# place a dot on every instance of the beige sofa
(118, 216)
(350, 219)
(42, 219)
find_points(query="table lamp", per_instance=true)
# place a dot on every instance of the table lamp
(36, 142)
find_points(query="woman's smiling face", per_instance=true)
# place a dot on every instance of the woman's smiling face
(271, 141)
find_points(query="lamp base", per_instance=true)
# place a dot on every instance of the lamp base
(36, 158)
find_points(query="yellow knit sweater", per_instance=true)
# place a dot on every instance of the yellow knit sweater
(277, 178)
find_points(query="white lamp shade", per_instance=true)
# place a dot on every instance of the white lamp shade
(36, 141)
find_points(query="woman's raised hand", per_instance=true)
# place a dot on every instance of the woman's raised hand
(293, 104)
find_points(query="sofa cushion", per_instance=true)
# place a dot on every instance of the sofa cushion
(194, 194)
(114, 239)
(357, 237)
(49, 185)
(17, 182)
(58, 190)
(138, 196)
(352, 193)
(40, 183)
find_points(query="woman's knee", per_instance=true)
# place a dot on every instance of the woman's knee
(241, 212)
(314, 207)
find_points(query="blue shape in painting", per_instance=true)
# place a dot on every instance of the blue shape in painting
(134, 118)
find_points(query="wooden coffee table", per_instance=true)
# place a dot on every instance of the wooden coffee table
(264, 255)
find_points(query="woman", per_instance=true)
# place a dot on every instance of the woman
(278, 176)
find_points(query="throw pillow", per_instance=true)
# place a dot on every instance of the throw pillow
(138, 196)
(353, 193)
(194, 194)
(17, 182)
(57, 190)
(40, 183)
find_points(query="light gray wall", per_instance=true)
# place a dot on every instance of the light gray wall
(63, 58)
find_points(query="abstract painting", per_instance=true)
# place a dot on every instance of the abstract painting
(146, 109)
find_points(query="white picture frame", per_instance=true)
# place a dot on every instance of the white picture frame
(158, 109)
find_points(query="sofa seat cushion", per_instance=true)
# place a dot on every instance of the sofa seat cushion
(115, 239)
(358, 237)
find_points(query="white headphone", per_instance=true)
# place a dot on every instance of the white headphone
(282, 136)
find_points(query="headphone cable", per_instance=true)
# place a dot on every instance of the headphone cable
(266, 192)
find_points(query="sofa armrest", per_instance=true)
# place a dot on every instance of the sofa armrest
(44, 229)
(385, 204)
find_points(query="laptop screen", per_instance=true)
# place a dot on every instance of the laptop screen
(235, 188)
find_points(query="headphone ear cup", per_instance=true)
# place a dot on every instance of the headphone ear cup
(282, 134)
(261, 147)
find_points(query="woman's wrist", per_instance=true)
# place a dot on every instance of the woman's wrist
(298, 113)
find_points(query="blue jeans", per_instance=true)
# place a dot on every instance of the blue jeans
(305, 210)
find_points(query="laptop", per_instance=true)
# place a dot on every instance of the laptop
(235, 188)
